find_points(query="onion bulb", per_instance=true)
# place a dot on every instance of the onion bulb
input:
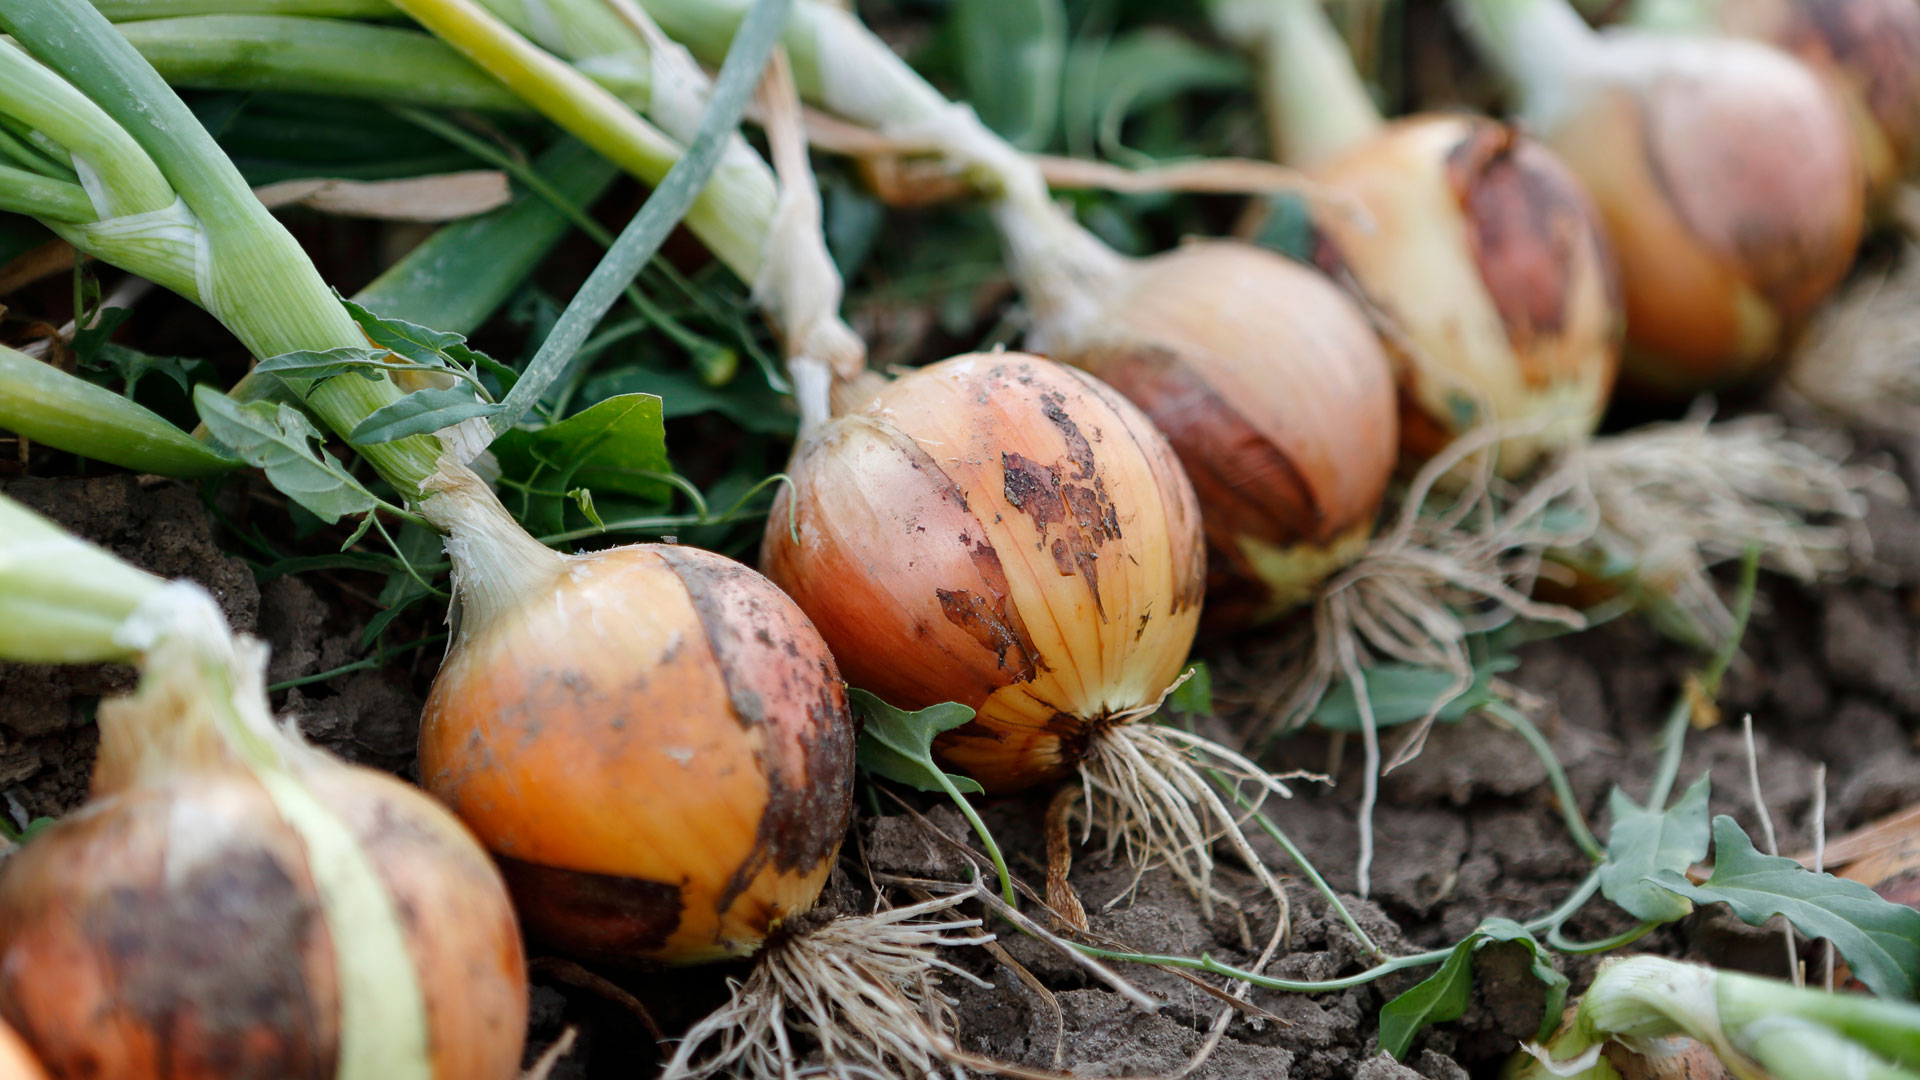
(1477, 246)
(652, 740)
(16, 1061)
(231, 902)
(1867, 52)
(1003, 532)
(1724, 171)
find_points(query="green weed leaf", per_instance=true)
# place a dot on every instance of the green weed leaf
(1444, 995)
(1880, 939)
(276, 438)
(898, 744)
(619, 444)
(422, 412)
(325, 364)
(1195, 696)
(1644, 842)
(1011, 53)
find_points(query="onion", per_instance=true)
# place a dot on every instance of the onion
(232, 902)
(1483, 251)
(16, 1061)
(1478, 248)
(1724, 172)
(1866, 51)
(652, 739)
(1003, 532)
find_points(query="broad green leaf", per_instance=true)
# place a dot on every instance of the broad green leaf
(619, 444)
(276, 437)
(1444, 995)
(898, 744)
(1403, 693)
(1644, 842)
(1108, 81)
(326, 364)
(748, 402)
(1011, 52)
(422, 412)
(1880, 939)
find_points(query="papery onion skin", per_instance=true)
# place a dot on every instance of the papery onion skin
(1489, 258)
(658, 750)
(1733, 196)
(1275, 394)
(175, 932)
(1004, 532)
(1868, 51)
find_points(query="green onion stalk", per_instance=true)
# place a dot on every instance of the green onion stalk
(169, 206)
(454, 280)
(200, 801)
(1642, 1012)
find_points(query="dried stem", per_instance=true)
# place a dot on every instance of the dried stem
(1862, 360)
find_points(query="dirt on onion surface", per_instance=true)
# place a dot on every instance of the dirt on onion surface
(1466, 831)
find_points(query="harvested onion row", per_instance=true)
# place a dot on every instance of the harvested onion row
(231, 901)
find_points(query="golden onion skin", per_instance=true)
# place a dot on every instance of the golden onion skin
(1487, 255)
(1276, 396)
(1004, 532)
(1868, 51)
(1733, 195)
(658, 751)
(174, 931)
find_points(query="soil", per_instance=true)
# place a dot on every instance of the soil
(1470, 829)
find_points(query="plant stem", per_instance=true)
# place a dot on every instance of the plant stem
(1315, 104)
(129, 10)
(1675, 16)
(257, 279)
(1540, 45)
(731, 217)
(62, 600)
(1556, 777)
(681, 188)
(45, 404)
(316, 56)
(22, 192)
(128, 181)
(986, 836)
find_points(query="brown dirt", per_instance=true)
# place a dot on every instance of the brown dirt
(1467, 830)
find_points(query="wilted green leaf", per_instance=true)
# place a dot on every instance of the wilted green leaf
(1880, 939)
(1444, 995)
(619, 444)
(898, 744)
(422, 412)
(276, 437)
(1644, 842)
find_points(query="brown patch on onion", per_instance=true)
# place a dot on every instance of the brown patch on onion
(1023, 527)
(703, 740)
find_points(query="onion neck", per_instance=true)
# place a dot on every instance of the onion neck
(1315, 102)
(497, 565)
(1542, 46)
(1067, 275)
